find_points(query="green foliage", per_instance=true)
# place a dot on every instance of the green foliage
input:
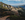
(1, 5)
(14, 16)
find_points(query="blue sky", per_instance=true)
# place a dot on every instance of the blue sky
(14, 2)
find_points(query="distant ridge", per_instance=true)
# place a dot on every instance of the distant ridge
(23, 6)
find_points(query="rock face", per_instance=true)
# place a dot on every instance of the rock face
(16, 12)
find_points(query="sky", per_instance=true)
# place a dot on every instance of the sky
(14, 2)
